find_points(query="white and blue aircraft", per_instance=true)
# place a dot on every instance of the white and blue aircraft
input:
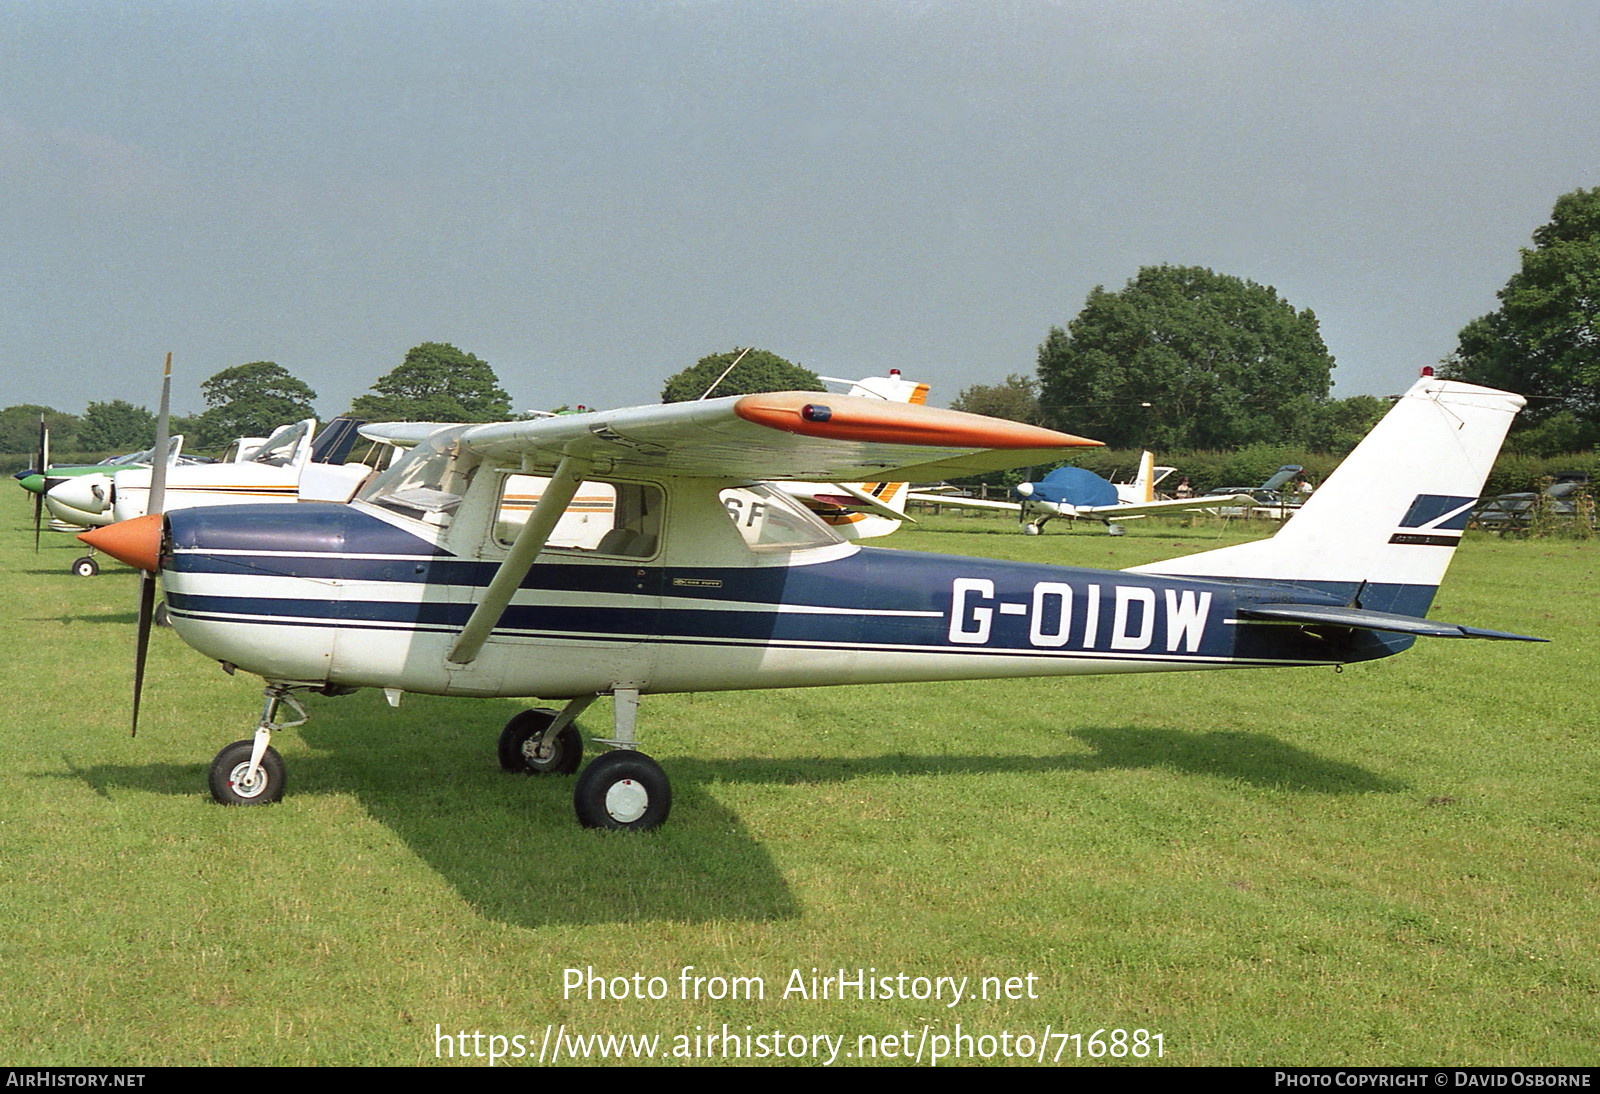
(705, 579)
(1079, 494)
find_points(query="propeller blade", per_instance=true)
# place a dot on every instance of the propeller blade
(158, 500)
(147, 607)
(42, 464)
(158, 458)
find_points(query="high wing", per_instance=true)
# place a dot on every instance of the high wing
(958, 501)
(1120, 512)
(803, 435)
(402, 434)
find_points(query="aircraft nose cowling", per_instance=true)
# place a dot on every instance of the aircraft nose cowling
(86, 493)
(136, 542)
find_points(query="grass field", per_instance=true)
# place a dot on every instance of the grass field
(1395, 864)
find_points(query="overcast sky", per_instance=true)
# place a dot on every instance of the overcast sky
(591, 196)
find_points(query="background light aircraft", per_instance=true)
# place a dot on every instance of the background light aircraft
(708, 580)
(294, 464)
(1077, 494)
(862, 510)
(1267, 500)
(41, 478)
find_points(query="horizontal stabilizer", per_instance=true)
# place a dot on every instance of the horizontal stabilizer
(1333, 616)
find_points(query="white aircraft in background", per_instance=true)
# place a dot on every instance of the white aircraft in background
(862, 510)
(294, 464)
(702, 578)
(1077, 494)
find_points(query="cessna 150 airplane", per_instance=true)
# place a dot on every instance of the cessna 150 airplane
(704, 579)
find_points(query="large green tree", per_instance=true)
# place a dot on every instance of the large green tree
(1015, 398)
(758, 370)
(251, 401)
(436, 383)
(1544, 342)
(117, 424)
(1183, 357)
(19, 428)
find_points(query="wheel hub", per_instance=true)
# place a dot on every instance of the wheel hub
(627, 800)
(245, 786)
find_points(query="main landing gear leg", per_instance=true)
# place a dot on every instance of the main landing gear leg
(623, 788)
(251, 772)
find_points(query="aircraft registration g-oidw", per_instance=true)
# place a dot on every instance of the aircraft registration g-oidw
(691, 575)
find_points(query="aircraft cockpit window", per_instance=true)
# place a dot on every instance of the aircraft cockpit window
(769, 520)
(616, 519)
(427, 483)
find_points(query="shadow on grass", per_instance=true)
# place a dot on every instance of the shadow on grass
(1251, 758)
(125, 619)
(507, 843)
(510, 847)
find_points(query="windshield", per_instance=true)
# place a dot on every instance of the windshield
(281, 448)
(426, 483)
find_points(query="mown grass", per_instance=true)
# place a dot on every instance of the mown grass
(1396, 864)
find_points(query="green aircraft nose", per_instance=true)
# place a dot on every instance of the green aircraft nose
(33, 482)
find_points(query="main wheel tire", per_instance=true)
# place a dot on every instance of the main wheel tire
(520, 752)
(228, 770)
(85, 566)
(622, 789)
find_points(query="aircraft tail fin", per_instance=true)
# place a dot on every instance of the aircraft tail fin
(894, 387)
(1392, 514)
(870, 509)
(1145, 484)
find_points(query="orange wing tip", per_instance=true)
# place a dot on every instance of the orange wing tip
(844, 418)
(136, 542)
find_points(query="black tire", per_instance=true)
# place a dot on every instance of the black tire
(85, 566)
(558, 757)
(228, 770)
(159, 617)
(622, 789)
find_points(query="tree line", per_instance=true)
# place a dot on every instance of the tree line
(435, 382)
(1184, 359)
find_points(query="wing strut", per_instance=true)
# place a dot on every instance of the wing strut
(524, 550)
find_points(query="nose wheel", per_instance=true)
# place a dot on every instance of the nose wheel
(251, 772)
(236, 781)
